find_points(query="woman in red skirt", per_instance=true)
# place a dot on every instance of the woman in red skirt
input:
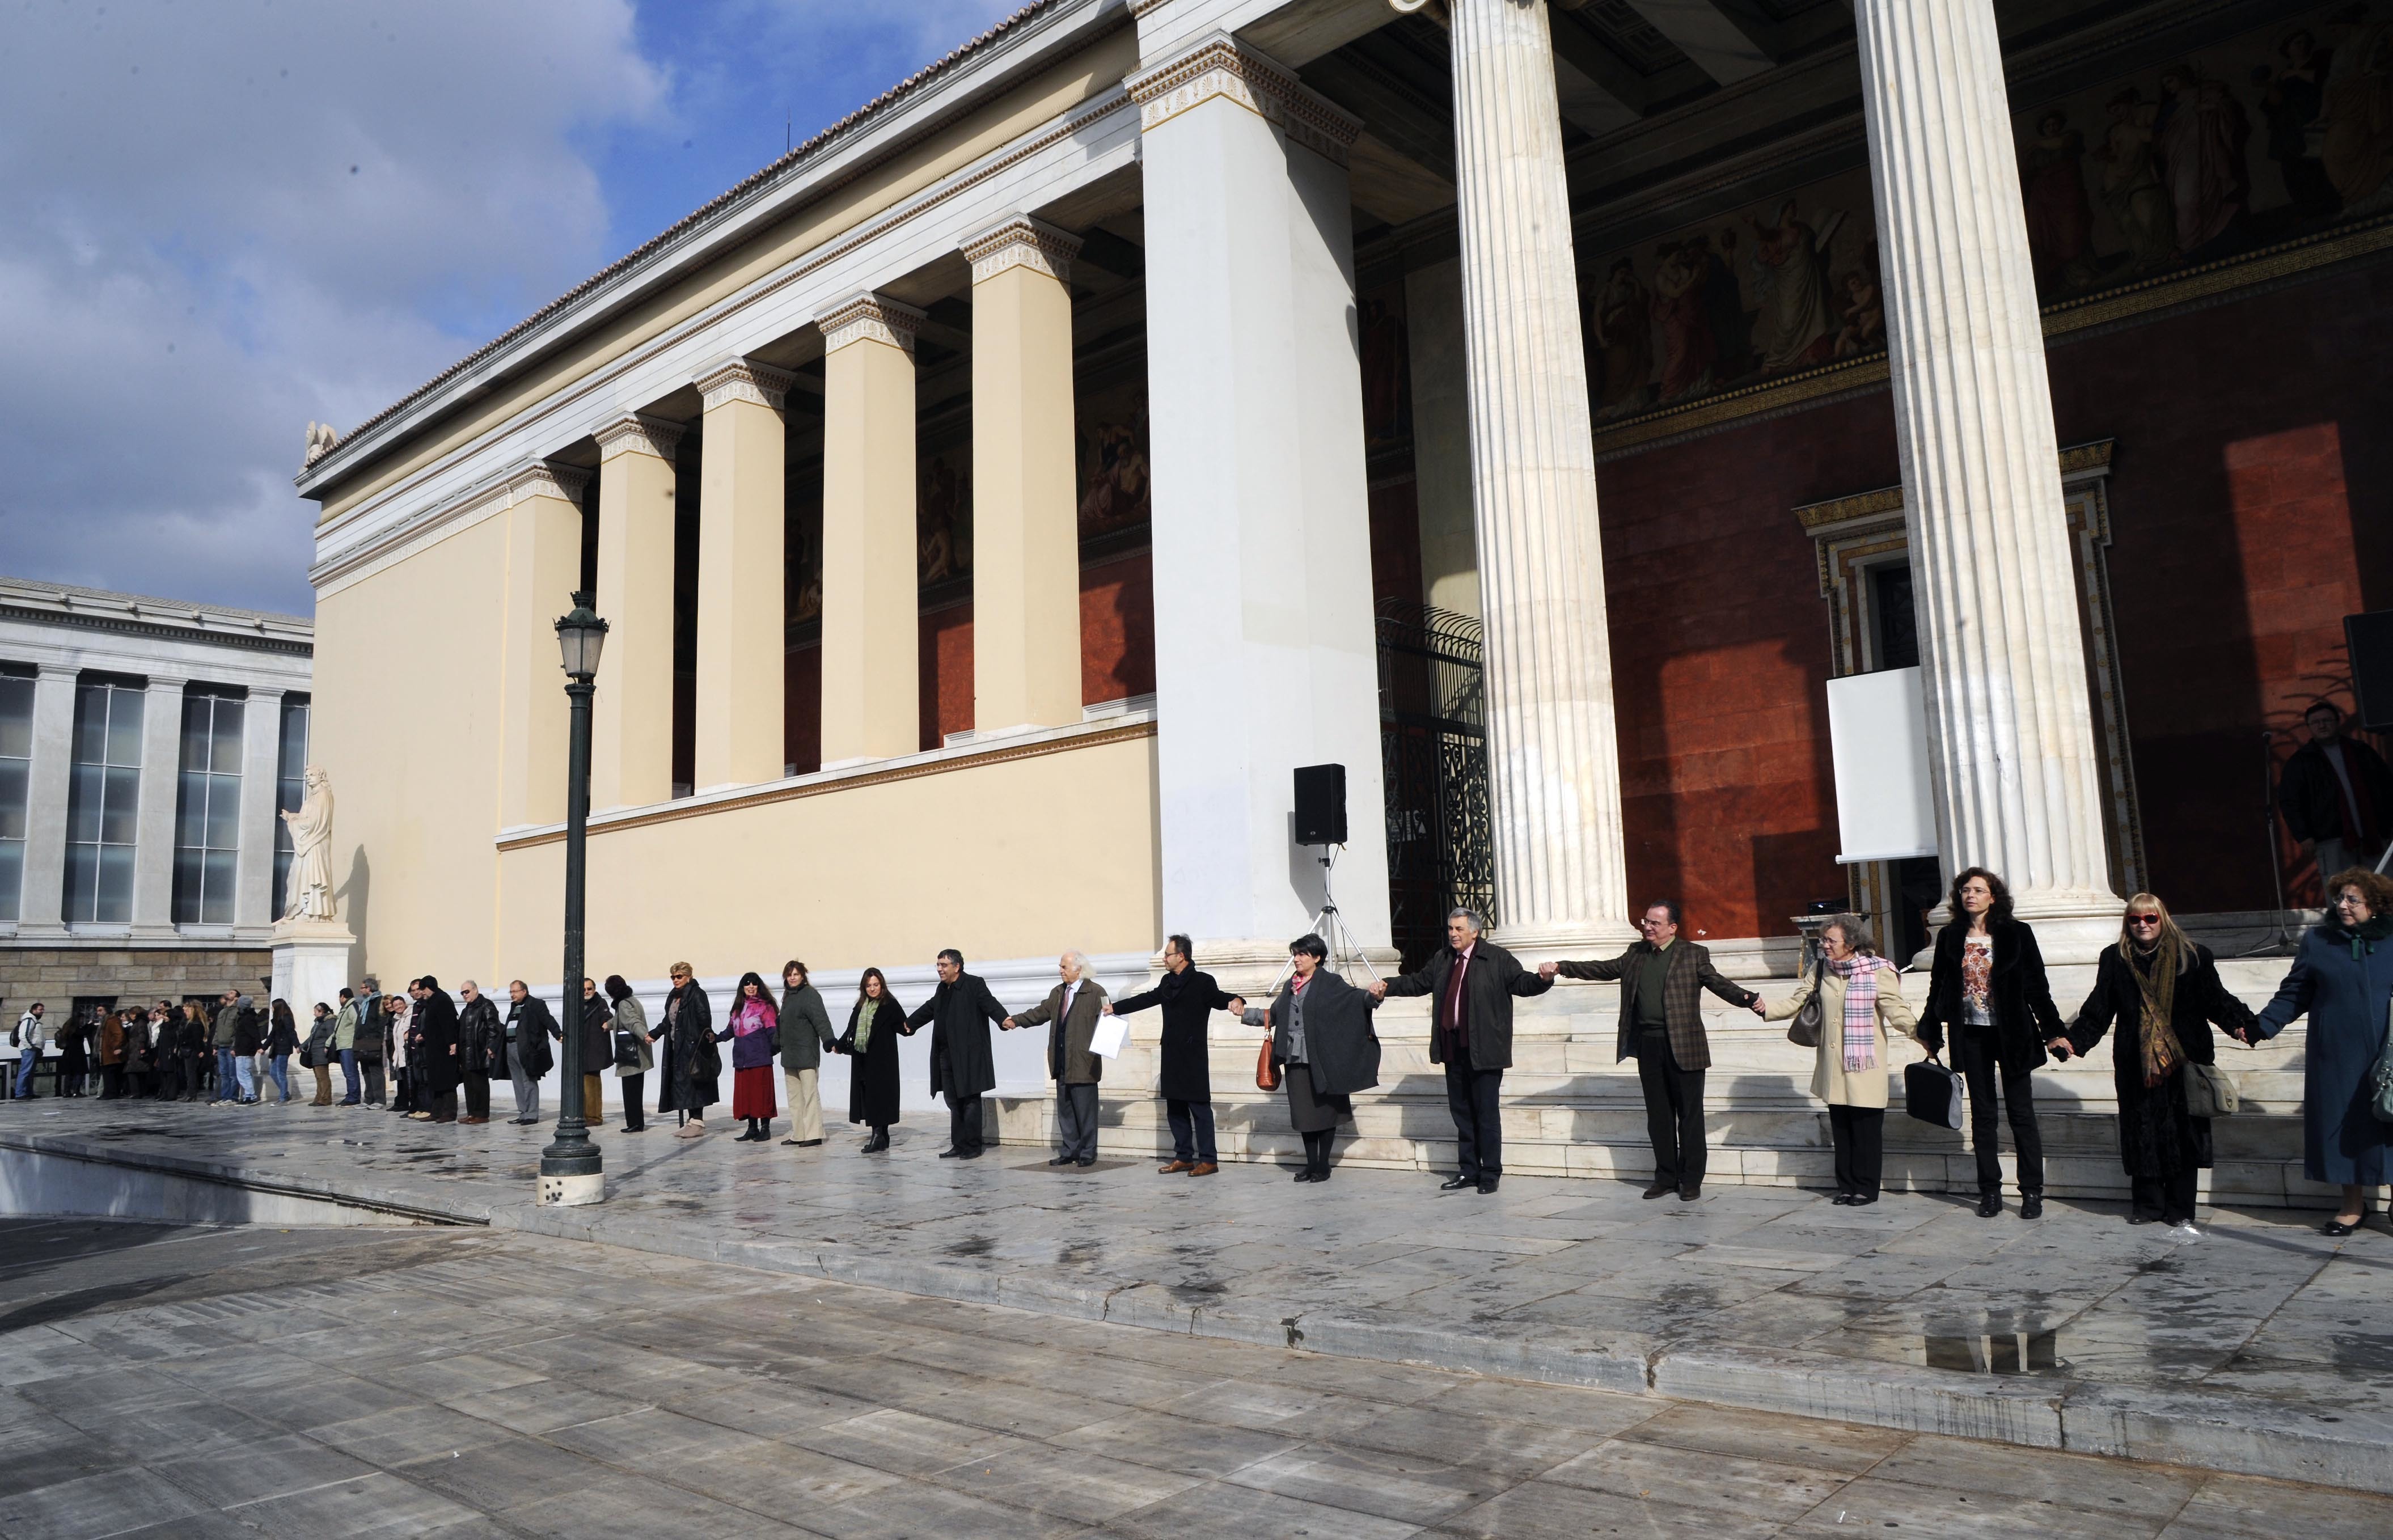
(754, 1029)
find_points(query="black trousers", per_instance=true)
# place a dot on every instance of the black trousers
(376, 1085)
(1474, 1095)
(1974, 1052)
(1192, 1129)
(193, 1068)
(2167, 1199)
(1674, 1112)
(964, 1123)
(1860, 1134)
(478, 1096)
(442, 1107)
(633, 1117)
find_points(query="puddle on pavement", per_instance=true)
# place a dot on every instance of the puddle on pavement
(1995, 1354)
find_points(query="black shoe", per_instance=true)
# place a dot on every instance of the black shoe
(874, 1146)
(803, 1143)
(1661, 1189)
(2031, 1206)
(1990, 1205)
(2336, 1227)
(1060, 1160)
(949, 1154)
(1691, 1191)
(1487, 1185)
(1087, 1160)
(1457, 1183)
(2143, 1219)
(1844, 1200)
(1860, 1200)
(1305, 1174)
(968, 1155)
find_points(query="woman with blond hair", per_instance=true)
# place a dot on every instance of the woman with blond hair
(2343, 980)
(1860, 998)
(2165, 993)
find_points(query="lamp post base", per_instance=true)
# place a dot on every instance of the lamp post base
(567, 1191)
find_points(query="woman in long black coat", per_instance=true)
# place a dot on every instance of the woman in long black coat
(692, 1061)
(1989, 990)
(873, 1027)
(1326, 1050)
(1189, 999)
(2165, 993)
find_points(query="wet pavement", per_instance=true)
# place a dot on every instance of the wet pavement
(2261, 1347)
(201, 1382)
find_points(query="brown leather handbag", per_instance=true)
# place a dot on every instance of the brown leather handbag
(1266, 1073)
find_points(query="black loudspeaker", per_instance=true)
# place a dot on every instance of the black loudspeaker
(1321, 804)
(2370, 637)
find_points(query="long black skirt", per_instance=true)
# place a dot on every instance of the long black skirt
(1308, 1112)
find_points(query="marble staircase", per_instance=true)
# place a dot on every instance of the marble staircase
(1571, 1110)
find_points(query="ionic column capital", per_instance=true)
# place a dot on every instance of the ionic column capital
(1220, 66)
(1023, 242)
(544, 478)
(744, 379)
(635, 433)
(870, 317)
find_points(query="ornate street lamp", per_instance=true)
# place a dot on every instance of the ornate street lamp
(570, 1167)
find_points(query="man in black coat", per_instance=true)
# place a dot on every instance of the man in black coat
(962, 1068)
(528, 1028)
(481, 1049)
(2337, 795)
(435, 1039)
(1473, 982)
(1189, 1000)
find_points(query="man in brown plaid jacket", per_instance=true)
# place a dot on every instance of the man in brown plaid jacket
(1662, 1024)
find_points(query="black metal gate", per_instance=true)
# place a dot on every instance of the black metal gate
(1433, 759)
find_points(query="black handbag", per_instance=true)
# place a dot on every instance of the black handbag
(1932, 1094)
(627, 1049)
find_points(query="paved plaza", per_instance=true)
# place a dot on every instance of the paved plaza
(2261, 1348)
(199, 1382)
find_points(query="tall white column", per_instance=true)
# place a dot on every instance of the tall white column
(255, 902)
(1553, 757)
(632, 717)
(740, 518)
(41, 904)
(153, 839)
(2016, 760)
(1264, 649)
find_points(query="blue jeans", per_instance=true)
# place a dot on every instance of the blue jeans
(26, 1059)
(226, 1085)
(278, 1066)
(246, 1067)
(349, 1076)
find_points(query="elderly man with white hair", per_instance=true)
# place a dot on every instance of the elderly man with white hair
(1070, 1012)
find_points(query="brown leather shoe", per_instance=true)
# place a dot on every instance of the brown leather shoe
(473, 1120)
(1175, 1166)
(1203, 1168)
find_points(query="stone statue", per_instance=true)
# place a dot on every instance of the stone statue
(321, 439)
(307, 894)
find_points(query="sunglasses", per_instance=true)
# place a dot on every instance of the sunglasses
(2143, 920)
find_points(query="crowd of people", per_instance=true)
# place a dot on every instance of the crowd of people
(1988, 1000)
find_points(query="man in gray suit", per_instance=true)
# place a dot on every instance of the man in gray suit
(1070, 1013)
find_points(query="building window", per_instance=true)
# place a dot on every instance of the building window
(1894, 622)
(208, 815)
(289, 788)
(104, 802)
(15, 774)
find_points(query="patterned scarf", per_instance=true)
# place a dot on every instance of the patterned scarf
(1860, 974)
(2156, 969)
(864, 1025)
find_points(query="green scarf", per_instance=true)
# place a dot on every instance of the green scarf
(2365, 936)
(864, 1023)
(2155, 971)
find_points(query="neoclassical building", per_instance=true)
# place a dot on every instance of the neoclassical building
(1532, 406)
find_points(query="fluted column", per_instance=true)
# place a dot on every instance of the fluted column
(543, 566)
(41, 901)
(871, 643)
(632, 728)
(2015, 757)
(1554, 760)
(1026, 534)
(153, 822)
(255, 902)
(740, 518)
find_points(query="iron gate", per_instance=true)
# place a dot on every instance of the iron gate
(1433, 761)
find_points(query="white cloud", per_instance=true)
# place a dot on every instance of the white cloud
(191, 268)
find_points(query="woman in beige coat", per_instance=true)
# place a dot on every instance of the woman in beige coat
(1861, 997)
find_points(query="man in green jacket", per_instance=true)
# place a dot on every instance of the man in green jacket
(224, 1031)
(805, 1032)
(345, 1043)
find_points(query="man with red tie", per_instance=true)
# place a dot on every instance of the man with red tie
(1473, 982)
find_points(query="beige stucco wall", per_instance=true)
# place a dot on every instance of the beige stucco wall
(1037, 100)
(1009, 859)
(406, 718)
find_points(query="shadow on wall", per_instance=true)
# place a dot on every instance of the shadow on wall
(353, 897)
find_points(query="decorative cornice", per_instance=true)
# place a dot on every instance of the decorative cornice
(870, 317)
(820, 784)
(1022, 241)
(635, 434)
(744, 379)
(1222, 66)
(1139, 8)
(543, 479)
(1816, 516)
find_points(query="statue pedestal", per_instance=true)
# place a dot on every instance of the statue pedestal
(311, 963)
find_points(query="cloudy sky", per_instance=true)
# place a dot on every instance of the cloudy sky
(228, 218)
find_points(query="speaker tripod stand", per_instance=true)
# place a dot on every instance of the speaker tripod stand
(1332, 928)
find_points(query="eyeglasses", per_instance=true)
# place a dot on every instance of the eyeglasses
(2350, 897)
(2141, 921)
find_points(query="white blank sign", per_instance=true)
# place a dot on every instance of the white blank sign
(1877, 730)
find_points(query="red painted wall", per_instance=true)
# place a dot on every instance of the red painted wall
(1116, 629)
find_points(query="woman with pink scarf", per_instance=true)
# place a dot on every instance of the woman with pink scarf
(754, 1032)
(1860, 997)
